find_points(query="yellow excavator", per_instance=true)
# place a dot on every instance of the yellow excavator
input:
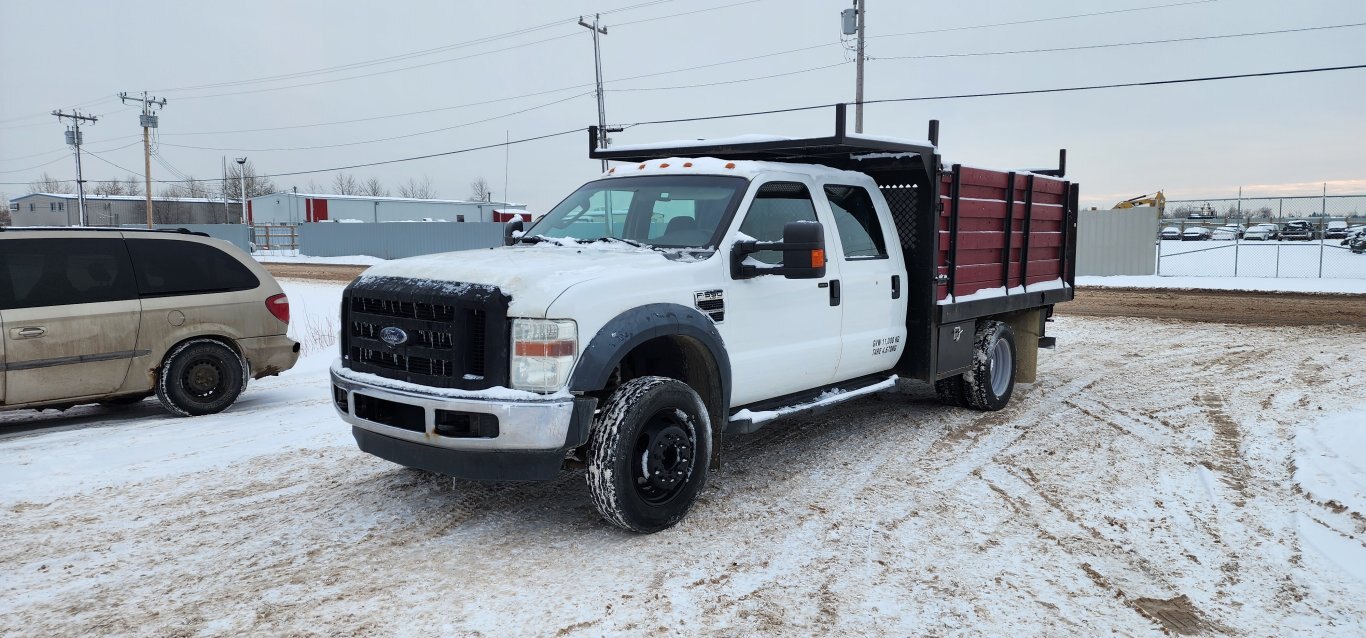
(1156, 200)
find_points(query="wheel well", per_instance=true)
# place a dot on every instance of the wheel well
(676, 357)
(227, 341)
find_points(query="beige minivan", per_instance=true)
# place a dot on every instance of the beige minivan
(113, 316)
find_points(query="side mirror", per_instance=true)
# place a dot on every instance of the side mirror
(803, 248)
(511, 231)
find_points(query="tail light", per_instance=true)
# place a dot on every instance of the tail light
(278, 305)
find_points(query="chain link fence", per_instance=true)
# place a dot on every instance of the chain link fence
(1263, 237)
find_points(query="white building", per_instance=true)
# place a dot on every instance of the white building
(297, 208)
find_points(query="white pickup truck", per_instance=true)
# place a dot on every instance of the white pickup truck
(697, 290)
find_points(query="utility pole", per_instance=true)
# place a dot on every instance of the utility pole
(858, 93)
(73, 137)
(148, 121)
(597, 28)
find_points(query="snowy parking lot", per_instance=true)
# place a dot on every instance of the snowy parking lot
(1160, 475)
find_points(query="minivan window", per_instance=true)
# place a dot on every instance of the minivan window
(168, 267)
(53, 272)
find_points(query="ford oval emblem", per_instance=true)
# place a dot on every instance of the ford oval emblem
(393, 335)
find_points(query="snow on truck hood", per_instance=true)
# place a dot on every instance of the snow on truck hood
(533, 275)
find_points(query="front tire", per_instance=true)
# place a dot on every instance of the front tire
(991, 380)
(200, 377)
(648, 454)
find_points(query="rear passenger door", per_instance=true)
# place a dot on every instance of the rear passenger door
(70, 313)
(874, 280)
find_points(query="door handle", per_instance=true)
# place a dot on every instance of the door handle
(834, 292)
(896, 286)
(31, 332)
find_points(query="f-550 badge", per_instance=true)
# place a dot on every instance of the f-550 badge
(712, 302)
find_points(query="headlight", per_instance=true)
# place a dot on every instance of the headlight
(543, 352)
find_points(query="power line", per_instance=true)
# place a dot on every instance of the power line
(398, 57)
(1049, 19)
(382, 139)
(1117, 44)
(739, 81)
(819, 106)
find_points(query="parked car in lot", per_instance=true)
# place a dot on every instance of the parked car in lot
(1297, 230)
(1171, 232)
(1352, 233)
(1229, 232)
(1358, 243)
(1260, 232)
(114, 316)
(1196, 233)
(1335, 230)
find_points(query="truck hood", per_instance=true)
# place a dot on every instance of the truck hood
(532, 275)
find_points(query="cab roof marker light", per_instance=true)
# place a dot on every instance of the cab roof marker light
(611, 170)
(664, 165)
(730, 164)
(642, 167)
(687, 164)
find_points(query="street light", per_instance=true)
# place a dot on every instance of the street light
(242, 180)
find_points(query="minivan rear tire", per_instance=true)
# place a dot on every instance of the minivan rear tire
(201, 376)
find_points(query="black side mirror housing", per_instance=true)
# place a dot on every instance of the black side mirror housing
(803, 248)
(511, 231)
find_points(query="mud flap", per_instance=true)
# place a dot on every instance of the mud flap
(1028, 329)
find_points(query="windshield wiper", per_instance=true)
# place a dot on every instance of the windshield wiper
(630, 242)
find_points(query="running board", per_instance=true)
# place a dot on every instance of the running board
(760, 414)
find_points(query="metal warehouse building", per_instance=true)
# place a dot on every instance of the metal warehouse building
(55, 209)
(297, 208)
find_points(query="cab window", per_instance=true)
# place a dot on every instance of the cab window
(856, 221)
(774, 206)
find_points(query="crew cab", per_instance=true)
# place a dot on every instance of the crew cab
(700, 290)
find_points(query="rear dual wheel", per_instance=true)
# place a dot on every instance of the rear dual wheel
(988, 384)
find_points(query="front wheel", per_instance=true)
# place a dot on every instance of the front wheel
(199, 377)
(648, 454)
(991, 380)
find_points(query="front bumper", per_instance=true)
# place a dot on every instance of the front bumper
(403, 423)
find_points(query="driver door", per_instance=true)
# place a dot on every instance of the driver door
(783, 335)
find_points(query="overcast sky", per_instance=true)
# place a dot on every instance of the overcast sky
(1279, 135)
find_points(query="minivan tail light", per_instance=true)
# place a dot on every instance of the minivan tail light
(278, 305)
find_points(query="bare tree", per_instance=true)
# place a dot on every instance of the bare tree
(374, 188)
(106, 188)
(50, 184)
(132, 185)
(167, 210)
(313, 188)
(344, 184)
(417, 189)
(5, 219)
(196, 188)
(256, 184)
(480, 191)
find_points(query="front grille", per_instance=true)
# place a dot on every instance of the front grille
(456, 334)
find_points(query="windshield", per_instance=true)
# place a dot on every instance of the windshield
(664, 211)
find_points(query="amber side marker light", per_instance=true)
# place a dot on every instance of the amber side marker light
(817, 258)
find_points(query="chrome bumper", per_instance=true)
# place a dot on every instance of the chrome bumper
(522, 425)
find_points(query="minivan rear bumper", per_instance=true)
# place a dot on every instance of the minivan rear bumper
(269, 356)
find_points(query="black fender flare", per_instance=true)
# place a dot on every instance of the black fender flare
(626, 331)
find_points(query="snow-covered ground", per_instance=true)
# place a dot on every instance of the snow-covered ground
(1205, 475)
(293, 257)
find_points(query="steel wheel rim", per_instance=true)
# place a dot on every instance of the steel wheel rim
(203, 379)
(1000, 362)
(663, 457)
